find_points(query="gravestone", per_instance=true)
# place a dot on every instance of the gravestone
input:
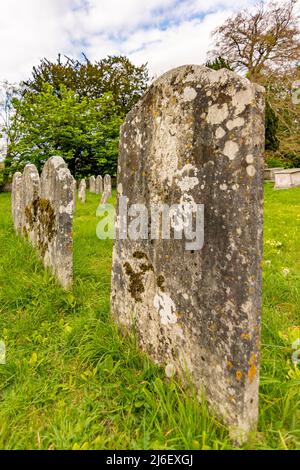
(92, 184)
(74, 194)
(17, 201)
(82, 191)
(45, 217)
(269, 173)
(99, 185)
(196, 138)
(107, 185)
(286, 179)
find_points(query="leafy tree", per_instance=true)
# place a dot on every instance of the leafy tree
(84, 131)
(218, 63)
(114, 74)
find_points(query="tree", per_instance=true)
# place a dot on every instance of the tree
(218, 63)
(266, 36)
(8, 91)
(114, 74)
(85, 132)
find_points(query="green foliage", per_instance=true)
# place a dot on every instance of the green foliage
(84, 131)
(71, 381)
(2, 177)
(114, 74)
(271, 123)
(218, 63)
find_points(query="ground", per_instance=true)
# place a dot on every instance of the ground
(71, 381)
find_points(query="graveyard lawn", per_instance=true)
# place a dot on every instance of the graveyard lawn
(72, 382)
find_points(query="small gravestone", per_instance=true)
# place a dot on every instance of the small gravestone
(17, 201)
(99, 185)
(30, 193)
(92, 184)
(286, 179)
(107, 185)
(45, 216)
(82, 191)
(269, 173)
(196, 139)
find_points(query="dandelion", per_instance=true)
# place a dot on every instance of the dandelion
(285, 272)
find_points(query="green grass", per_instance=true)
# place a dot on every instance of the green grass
(72, 381)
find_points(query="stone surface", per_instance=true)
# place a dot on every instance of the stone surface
(17, 201)
(45, 215)
(269, 173)
(197, 136)
(82, 191)
(92, 184)
(99, 185)
(286, 179)
(107, 185)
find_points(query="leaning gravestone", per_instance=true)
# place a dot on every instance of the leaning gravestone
(82, 191)
(107, 184)
(196, 138)
(92, 184)
(99, 185)
(46, 218)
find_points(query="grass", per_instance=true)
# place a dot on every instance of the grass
(72, 382)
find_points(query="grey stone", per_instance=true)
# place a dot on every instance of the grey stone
(45, 214)
(269, 173)
(107, 185)
(17, 201)
(197, 136)
(92, 184)
(99, 185)
(286, 179)
(82, 191)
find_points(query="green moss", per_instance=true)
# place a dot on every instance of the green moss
(40, 216)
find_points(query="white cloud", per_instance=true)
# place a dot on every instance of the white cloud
(164, 33)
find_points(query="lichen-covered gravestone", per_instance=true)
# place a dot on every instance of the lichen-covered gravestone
(107, 184)
(82, 191)
(92, 184)
(197, 136)
(45, 215)
(99, 185)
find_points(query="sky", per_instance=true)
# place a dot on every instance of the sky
(162, 33)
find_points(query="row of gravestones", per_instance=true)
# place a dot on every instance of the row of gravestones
(99, 185)
(197, 136)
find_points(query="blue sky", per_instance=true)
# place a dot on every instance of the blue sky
(164, 33)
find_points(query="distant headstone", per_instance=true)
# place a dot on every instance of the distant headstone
(17, 201)
(99, 185)
(269, 173)
(286, 179)
(92, 184)
(196, 138)
(82, 191)
(107, 184)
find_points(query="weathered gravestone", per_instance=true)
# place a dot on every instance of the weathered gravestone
(82, 191)
(107, 184)
(92, 184)
(17, 201)
(99, 185)
(46, 217)
(197, 137)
